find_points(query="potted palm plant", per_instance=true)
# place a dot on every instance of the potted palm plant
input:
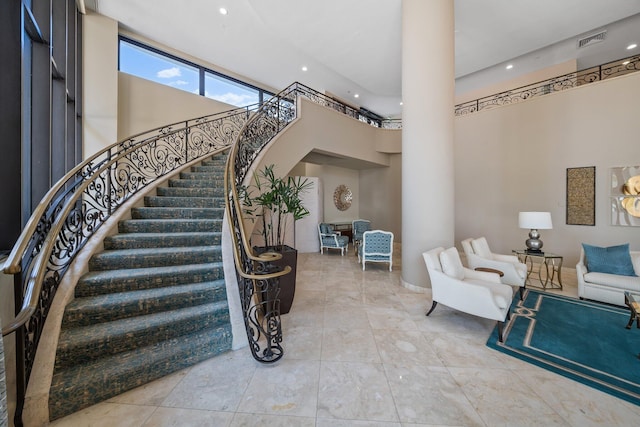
(274, 202)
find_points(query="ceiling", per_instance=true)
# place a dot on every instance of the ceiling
(354, 47)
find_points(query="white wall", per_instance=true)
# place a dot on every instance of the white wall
(514, 158)
(145, 105)
(100, 83)
(332, 177)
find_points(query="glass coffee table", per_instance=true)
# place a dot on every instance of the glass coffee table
(632, 300)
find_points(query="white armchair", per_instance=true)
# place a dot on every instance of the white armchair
(480, 256)
(474, 292)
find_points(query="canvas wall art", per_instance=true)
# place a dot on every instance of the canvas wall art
(625, 196)
(581, 196)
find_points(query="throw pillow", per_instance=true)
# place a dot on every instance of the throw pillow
(451, 264)
(612, 259)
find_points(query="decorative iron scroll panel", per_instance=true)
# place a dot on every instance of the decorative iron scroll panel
(556, 84)
(87, 198)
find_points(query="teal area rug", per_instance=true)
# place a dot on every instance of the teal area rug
(581, 340)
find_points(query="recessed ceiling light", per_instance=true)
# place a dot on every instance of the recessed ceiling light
(304, 68)
(632, 46)
(510, 66)
(400, 102)
(223, 11)
(356, 96)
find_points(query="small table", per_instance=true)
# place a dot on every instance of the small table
(550, 266)
(633, 302)
(344, 228)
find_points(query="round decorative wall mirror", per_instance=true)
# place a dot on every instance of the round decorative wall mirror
(342, 197)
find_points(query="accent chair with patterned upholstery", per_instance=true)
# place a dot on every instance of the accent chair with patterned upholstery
(376, 246)
(358, 227)
(331, 239)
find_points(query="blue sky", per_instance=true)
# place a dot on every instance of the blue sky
(149, 65)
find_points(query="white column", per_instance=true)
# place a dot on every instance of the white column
(427, 133)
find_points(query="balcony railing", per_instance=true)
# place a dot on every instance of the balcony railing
(556, 84)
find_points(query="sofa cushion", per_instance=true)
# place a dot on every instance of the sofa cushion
(451, 264)
(612, 260)
(616, 281)
(635, 258)
(481, 248)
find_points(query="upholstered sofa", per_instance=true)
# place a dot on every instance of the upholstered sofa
(606, 287)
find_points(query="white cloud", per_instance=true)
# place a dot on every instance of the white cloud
(179, 83)
(168, 73)
(233, 98)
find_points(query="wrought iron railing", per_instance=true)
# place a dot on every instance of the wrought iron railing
(77, 205)
(556, 84)
(258, 278)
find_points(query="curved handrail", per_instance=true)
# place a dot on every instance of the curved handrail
(12, 263)
(81, 201)
(258, 278)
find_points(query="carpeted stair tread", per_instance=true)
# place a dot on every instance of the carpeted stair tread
(185, 202)
(83, 343)
(190, 192)
(154, 301)
(169, 226)
(85, 385)
(113, 306)
(208, 168)
(161, 240)
(154, 257)
(200, 175)
(172, 212)
(101, 282)
(196, 183)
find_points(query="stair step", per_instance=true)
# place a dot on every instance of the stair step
(186, 202)
(215, 161)
(114, 306)
(104, 378)
(190, 192)
(103, 282)
(82, 344)
(161, 240)
(168, 226)
(154, 257)
(196, 183)
(176, 212)
(210, 168)
(200, 175)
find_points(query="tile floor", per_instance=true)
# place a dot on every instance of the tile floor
(360, 352)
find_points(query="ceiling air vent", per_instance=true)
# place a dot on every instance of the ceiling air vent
(592, 39)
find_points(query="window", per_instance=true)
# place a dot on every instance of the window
(225, 90)
(152, 64)
(40, 111)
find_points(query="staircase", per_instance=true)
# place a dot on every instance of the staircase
(153, 302)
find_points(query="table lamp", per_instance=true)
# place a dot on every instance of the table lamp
(534, 221)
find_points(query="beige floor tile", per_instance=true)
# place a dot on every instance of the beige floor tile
(355, 391)
(288, 387)
(107, 415)
(175, 417)
(360, 352)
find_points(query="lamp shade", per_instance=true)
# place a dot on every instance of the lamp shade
(535, 220)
